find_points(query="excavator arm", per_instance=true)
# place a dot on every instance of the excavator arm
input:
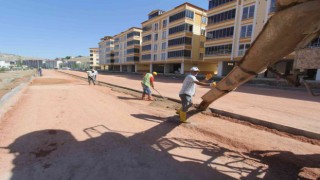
(294, 24)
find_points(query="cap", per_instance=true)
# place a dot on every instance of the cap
(194, 69)
(155, 73)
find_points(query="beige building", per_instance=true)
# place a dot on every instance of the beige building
(127, 49)
(173, 41)
(94, 57)
(106, 53)
(232, 27)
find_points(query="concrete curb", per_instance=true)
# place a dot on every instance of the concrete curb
(279, 127)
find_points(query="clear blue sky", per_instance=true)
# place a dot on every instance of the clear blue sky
(58, 28)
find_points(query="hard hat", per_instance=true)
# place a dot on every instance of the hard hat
(155, 73)
(195, 69)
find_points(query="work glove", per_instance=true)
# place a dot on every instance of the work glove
(213, 84)
(208, 76)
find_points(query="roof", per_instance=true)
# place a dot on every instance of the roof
(184, 4)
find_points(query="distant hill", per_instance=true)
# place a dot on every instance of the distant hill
(13, 57)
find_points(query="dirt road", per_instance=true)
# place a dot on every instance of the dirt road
(294, 109)
(62, 128)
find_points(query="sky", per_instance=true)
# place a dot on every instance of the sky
(59, 28)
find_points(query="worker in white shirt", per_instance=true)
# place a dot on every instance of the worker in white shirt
(188, 90)
(91, 75)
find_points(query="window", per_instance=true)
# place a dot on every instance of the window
(155, 57)
(129, 35)
(132, 58)
(179, 41)
(109, 43)
(203, 32)
(216, 3)
(224, 16)
(220, 33)
(116, 53)
(163, 56)
(91, 54)
(203, 20)
(147, 28)
(314, 43)
(146, 38)
(243, 48)
(180, 53)
(272, 6)
(164, 34)
(133, 42)
(116, 40)
(146, 47)
(155, 47)
(164, 44)
(219, 50)
(133, 50)
(183, 27)
(183, 14)
(156, 37)
(201, 55)
(248, 12)
(146, 57)
(246, 31)
(156, 26)
(201, 44)
(164, 23)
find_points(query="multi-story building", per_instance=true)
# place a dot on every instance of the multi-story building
(173, 41)
(127, 49)
(232, 27)
(94, 57)
(106, 53)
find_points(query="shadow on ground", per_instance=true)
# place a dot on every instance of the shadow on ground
(108, 154)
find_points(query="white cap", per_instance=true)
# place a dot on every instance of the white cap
(194, 69)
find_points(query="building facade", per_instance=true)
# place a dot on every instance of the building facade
(173, 41)
(106, 53)
(127, 49)
(232, 27)
(94, 57)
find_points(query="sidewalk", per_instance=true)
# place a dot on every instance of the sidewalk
(291, 111)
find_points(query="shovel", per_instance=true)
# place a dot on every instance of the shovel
(159, 94)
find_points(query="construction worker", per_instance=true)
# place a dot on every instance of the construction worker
(95, 73)
(146, 83)
(188, 91)
(91, 75)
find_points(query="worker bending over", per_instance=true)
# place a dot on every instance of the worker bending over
(147, 83)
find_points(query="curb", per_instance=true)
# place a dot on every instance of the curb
(279, 127)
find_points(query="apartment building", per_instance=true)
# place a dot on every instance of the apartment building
(127, 49)
(173, 41)
(232, 27)
(94, 57)
(106, 53)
